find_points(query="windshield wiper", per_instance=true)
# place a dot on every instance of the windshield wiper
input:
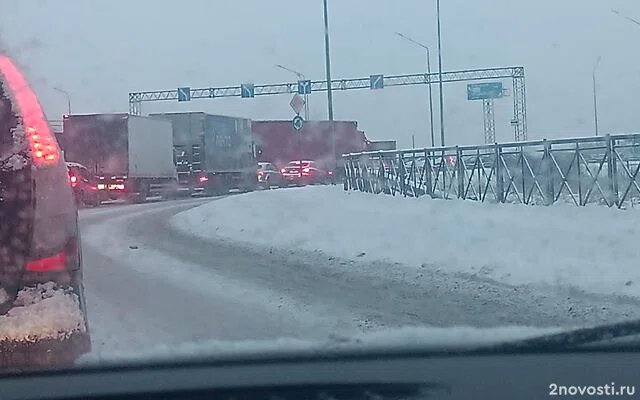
(573, 338)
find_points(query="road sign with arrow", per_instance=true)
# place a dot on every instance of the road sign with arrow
(297, 122)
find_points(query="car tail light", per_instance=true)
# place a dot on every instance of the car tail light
(203, 179)
(57, 262)
(330, 172)
(41, 141)
(74, 180)
(283, 170)
(306, 170)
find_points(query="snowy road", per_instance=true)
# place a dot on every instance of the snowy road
(148, 285)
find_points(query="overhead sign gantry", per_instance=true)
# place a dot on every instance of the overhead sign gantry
(373, 82)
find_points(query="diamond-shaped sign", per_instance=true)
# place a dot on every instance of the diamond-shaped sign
(297, 103)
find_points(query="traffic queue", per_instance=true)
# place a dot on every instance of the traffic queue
(134, 158)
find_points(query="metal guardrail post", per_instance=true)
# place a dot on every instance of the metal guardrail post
(460, 172)
(547, 167)
(612, 170)
(428, 171)
(498, 171)
(579, 173)
(345, 176)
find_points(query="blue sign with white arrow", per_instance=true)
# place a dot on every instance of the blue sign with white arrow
(184, 94)
(247, 91)
(376, 81)
(304, 87)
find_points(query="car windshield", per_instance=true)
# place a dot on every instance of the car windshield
(473, 167)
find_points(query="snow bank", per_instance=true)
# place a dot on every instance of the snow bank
(42, 312)
(388, 339)
(593, 248)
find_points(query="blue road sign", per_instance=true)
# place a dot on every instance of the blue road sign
(297, 122)
(247, 91)
(304, 87)
(376, 81)
(184, 94)
(484, 91)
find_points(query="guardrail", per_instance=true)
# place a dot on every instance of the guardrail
(590, 170)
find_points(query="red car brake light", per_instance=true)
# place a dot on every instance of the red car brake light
(73, 180)
(41, 141)
(57, 262)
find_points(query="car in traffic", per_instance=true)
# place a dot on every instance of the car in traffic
(84, 184)
(40, 240)
(269, 175)
(305, 172)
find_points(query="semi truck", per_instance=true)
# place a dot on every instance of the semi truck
(277, 142)
(213, 154)
(131, 156)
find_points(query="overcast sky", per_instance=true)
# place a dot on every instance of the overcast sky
(100, 50)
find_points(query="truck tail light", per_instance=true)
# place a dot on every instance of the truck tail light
(42, 144)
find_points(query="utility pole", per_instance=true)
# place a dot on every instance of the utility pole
(440, 75)
(433, 140)
(329, 89)
(595, 95)
(64, 92)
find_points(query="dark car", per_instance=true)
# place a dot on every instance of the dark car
(39, 234)
(309, 173)
(268, 175)
(84, 184)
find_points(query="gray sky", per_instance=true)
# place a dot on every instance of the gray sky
(99, 50)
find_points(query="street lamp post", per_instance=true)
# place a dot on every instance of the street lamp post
(440, 75)
(595, 95)
(329, 89)
(306, 96)
(433, 140)
(57, 89)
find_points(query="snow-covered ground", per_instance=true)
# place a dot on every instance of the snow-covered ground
(593, 248)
